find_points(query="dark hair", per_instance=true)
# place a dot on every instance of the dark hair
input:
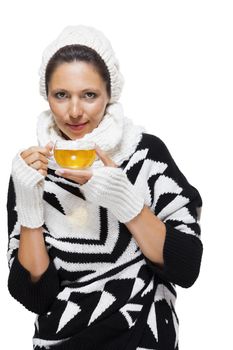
(77, 52)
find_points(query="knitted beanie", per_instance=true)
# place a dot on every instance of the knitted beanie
(94, 39)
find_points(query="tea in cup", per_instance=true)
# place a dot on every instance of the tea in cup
(74, 154)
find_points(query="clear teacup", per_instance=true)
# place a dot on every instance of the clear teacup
(74, 154)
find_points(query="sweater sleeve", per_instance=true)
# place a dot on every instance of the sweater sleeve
(178, 204)
(35, 296)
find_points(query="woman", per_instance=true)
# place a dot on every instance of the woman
(96, 253)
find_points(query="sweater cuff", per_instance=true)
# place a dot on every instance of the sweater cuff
(25, 175)
(35, 296)
(28, 184)
(182, 258)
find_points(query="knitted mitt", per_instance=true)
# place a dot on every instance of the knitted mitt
(29, 188)
(110, 188)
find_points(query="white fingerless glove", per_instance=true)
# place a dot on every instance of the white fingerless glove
(29, 188)
(110, 188)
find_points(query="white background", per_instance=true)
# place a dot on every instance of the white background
(177, 59)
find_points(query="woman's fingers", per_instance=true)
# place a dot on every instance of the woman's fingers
(104, 157)
(75, 173)
(79, 176)
(37, 157)
(79, 180)
(39, 165)
(36, 150)
(42, 172)
(49, 147)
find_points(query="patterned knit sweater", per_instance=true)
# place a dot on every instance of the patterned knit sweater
(99, 291)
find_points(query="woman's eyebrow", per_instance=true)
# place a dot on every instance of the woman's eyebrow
(84, 90)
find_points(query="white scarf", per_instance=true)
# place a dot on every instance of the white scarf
(116, 134)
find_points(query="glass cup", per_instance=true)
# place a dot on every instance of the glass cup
(74, 154)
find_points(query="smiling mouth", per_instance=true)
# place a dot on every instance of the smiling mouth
(77, 124)
(76, 127)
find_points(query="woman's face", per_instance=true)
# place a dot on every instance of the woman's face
(77, 95)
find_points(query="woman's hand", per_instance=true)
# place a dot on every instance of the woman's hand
(108, 187)
(36, 157)
(82, 176)
(28, 170)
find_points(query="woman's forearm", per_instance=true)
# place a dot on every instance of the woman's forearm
(149, 232)
(32, 253)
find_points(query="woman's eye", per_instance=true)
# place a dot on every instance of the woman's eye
(90, 95)
(60, 95)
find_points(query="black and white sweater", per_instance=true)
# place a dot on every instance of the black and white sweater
(100, 291)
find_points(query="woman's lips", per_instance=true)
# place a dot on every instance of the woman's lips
(76, 127)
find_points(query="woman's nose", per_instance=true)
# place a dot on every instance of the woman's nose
(75, 109)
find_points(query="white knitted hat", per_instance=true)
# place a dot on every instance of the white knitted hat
(93, 38)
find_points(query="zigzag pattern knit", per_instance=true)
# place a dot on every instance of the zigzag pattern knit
(100, 291)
